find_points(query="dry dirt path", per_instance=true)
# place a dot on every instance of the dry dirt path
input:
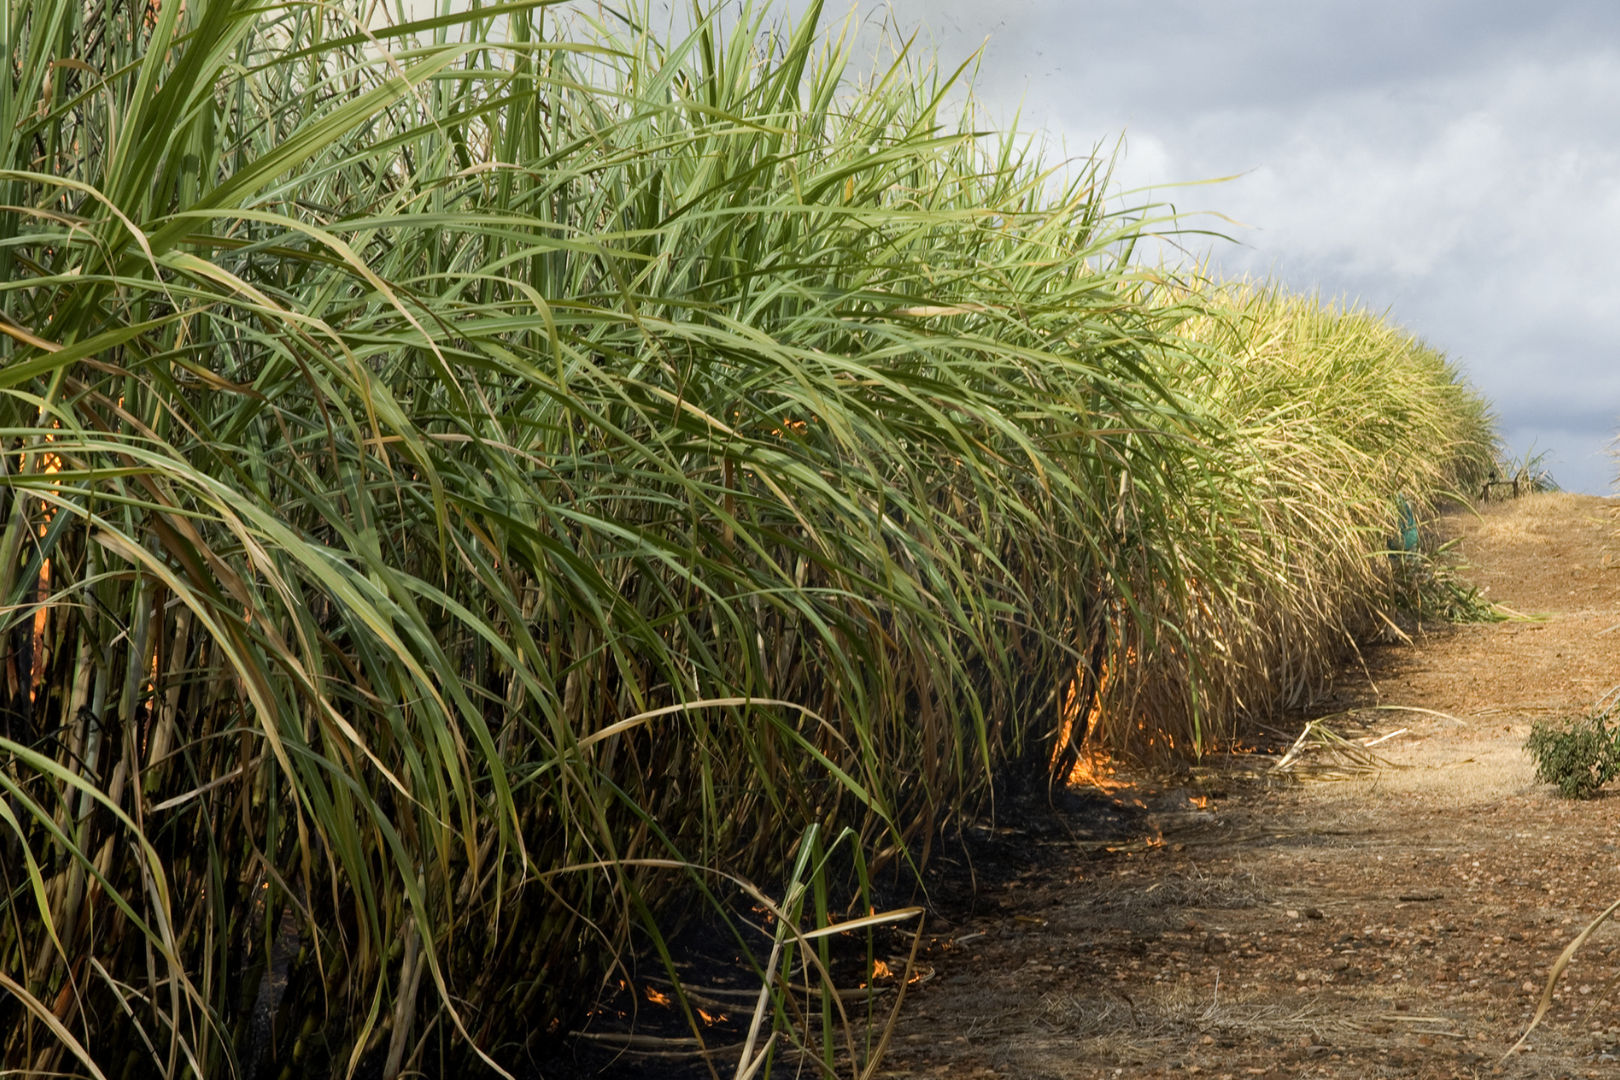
(1398, 925)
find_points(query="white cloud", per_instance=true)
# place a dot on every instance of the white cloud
(1457, 163)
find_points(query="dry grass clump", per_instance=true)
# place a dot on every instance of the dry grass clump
(1179, 1015)
(1540, 517)
(1320, 753)
(1192, 889)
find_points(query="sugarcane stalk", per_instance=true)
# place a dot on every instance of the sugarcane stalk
(163, 737)
(18, 525)
(410, 977)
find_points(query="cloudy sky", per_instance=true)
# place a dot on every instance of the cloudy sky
(1454, 163)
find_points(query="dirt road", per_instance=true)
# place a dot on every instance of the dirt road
(1399, 924)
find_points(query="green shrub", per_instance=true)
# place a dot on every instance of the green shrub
(1579, 756)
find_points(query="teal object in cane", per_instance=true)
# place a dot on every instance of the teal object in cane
(1408, 525)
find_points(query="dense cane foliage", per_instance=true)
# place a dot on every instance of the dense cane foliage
(1328, 421)
(457, 475)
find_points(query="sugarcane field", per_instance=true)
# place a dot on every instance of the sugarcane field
(551, 540)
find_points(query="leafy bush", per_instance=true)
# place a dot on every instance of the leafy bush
(1580, 756)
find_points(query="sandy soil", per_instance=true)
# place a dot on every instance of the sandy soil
(1397, 924)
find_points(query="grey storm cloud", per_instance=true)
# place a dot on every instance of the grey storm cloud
(1454, 164)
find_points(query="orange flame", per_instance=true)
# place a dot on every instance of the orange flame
(1093, 770)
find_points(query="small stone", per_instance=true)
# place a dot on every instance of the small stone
(1425, 1040)
(1208, 1040)
(1292, 914)
(1528, 987)
(1342, 964)
(1301, 976)
(1314, 913)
